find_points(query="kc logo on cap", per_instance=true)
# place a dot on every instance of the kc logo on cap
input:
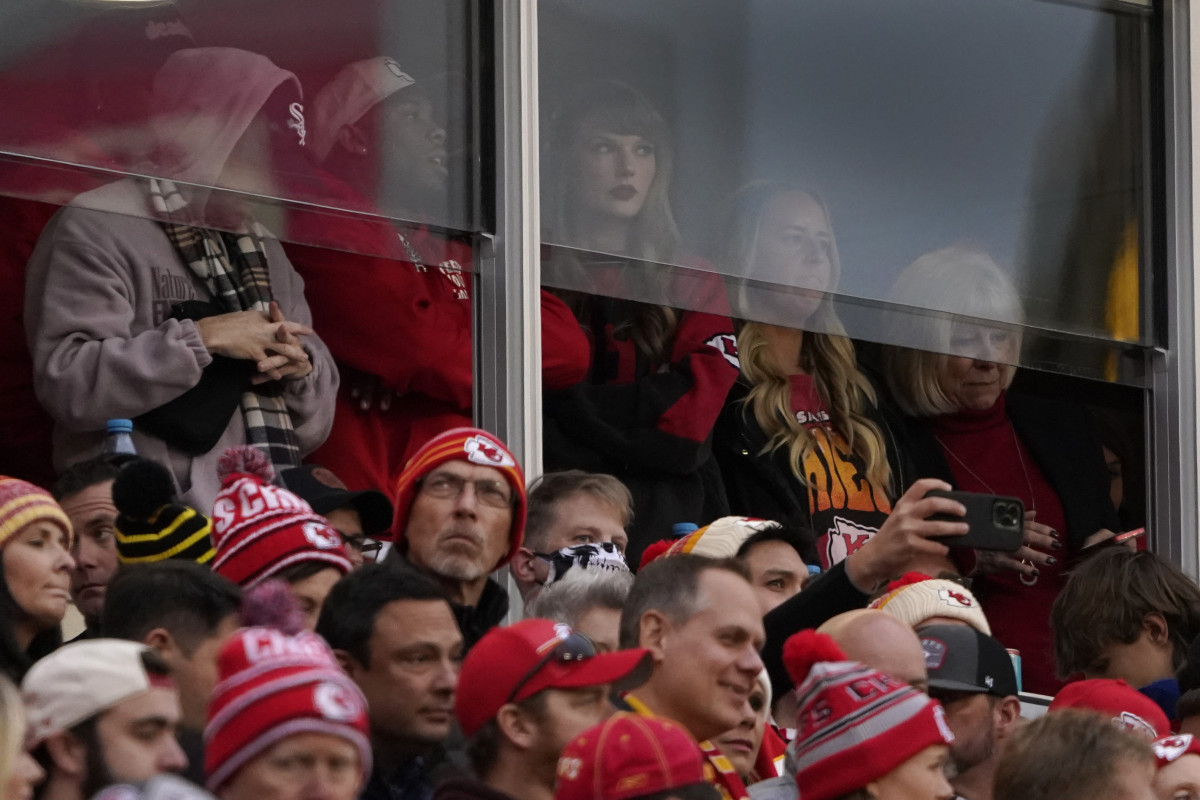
(956, 599)
(1172, 747)
(481, 450)
(337, 702)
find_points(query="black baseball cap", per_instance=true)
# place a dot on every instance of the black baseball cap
(325, 492)
(962, 659)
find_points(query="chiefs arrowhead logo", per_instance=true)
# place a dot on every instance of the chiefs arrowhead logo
(337, 702)
(956, 599)
(482, 450)
(726, 345)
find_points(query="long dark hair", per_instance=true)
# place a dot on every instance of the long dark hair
(14, 661)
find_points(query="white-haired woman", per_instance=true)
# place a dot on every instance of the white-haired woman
(659, 374)
(951, 381)
(800, 436)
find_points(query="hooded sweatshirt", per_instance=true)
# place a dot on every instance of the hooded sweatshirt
(103, 278)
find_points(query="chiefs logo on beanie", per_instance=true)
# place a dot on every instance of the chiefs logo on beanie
(273, 685)
(475, 446)
(260, 529)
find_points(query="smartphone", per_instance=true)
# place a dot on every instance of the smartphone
(994, 522)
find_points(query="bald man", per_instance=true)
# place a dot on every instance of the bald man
(877, 639)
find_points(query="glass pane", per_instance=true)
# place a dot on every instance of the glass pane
(1014, 128)
(214, 156)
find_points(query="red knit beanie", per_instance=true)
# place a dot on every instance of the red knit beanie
(474, 446)
(272, 686)
(260, 529)
(854, 724)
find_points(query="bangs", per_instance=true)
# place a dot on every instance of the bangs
(614, 108)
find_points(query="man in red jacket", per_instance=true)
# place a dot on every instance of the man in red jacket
(396, 299)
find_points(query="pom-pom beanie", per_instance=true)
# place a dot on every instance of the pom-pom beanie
(152, 525)
(273, 685)
(854, 724)
(261, 529)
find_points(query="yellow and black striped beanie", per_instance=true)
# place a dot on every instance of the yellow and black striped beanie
(151, 524)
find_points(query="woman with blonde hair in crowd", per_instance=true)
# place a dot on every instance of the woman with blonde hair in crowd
(19, 772)
(951, 379)
(800, 435)
(659, 373)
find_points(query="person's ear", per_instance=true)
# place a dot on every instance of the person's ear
(351, 139)
(349, 664)
(653, 630)
(517, 726)
(68, 754)
(1005, 716)
(1155, 626)
(522, 565)
(161, 641)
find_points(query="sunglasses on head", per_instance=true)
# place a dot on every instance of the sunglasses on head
(576, 647)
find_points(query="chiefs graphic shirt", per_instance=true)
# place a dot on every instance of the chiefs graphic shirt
(846, 508)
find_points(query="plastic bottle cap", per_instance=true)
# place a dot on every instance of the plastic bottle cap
(119, 426)
(681, 529)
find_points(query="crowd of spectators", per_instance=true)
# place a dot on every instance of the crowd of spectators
(304, 575)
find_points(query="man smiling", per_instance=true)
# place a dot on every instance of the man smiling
(460, 514)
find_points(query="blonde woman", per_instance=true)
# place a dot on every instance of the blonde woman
(800, 436)
(19, 773)
(659, 374)
(963, 426)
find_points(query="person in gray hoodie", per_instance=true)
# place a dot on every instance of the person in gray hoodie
(164, 301)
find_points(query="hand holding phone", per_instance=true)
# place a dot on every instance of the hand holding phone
(995, 522)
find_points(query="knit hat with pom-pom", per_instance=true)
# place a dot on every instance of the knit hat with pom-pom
(152, 525)
(915, 597)
(854, 724)
(273, 685)
(261, 529)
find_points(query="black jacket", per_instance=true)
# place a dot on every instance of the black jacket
(763, 485)
(1064, 444)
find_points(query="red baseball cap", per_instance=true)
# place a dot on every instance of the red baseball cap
(1173, 748)
(1127, 706)
(628, 756)
(510, 664)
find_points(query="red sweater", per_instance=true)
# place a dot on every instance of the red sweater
(1019, 614)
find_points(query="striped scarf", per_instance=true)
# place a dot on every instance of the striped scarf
(234, 268)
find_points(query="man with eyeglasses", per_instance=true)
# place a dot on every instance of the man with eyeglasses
(524, 693)
(358, 517)
(460, 515)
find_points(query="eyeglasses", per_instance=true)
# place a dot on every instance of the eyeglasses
(490, 493)
(367, 548)
(576, 647)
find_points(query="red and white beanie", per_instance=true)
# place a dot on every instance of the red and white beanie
(475, 446)
(260, 529)
(854, 724)
(273, 685)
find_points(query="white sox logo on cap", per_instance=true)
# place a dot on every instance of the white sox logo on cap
(481, 450)
(336, 702)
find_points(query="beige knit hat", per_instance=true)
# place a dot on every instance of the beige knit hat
(914, 598)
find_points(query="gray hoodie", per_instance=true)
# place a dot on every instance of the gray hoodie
(102, 280)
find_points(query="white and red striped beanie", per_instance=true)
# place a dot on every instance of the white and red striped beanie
(260, 529)
(854, 724)
(273, 685)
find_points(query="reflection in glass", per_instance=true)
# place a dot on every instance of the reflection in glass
(964, 426)
(658, 374)
(800, 437)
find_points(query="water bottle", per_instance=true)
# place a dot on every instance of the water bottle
(120, 438)
(682, 529)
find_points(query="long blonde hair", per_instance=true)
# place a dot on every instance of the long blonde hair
(654, 237)
(827, 354)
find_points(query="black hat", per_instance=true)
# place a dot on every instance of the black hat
(152, 525)
(325, 492)
(962, 659)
